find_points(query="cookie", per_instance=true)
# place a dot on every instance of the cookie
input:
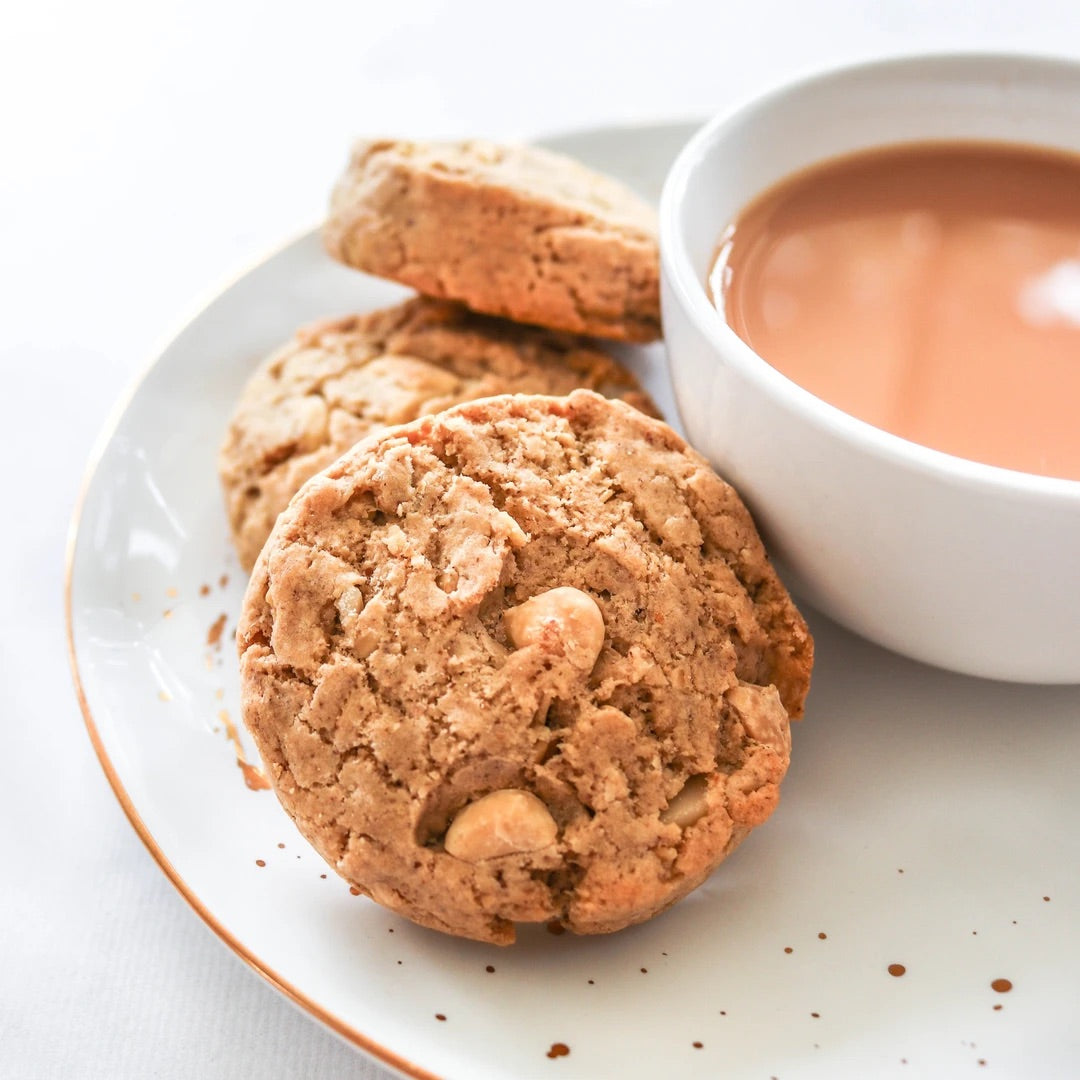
(524, 660)
(513, 231)
(338, 381)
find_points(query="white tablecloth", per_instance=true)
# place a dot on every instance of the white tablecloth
(150, 150)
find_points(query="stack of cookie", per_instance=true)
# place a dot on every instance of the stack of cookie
(511, 651)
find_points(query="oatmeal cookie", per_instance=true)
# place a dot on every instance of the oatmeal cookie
(513, 231)
(338, 381)
(520, 661)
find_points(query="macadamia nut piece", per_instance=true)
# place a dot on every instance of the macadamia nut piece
(761, 714)
(564, 620)
(688, 805)
(505, 822)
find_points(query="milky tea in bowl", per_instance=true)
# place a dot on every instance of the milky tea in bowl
(931, 289)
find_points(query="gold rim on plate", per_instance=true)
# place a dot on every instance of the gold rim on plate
(334, 1023)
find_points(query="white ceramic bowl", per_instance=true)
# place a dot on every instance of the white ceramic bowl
(967, 566)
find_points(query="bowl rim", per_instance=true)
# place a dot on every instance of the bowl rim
(677, 269)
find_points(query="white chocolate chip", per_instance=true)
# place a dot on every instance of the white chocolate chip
(563, 619)
(688, 805)
(761, 714)
(505, 822)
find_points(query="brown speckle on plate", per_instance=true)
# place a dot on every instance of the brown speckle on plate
(217, 628)
(558, 1050)
(897, 970)
(1002, 986)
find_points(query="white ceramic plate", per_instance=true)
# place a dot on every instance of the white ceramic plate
(929, 821)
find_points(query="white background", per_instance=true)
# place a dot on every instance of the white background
(148, 151)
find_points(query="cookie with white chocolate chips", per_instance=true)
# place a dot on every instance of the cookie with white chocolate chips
(515, 231)
(524, 660)
(340, 380)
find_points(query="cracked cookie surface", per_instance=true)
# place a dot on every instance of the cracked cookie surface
(340, 380)
(514, 231)
(520, 661)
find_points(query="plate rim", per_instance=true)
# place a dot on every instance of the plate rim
(103, 440)
(199, 307)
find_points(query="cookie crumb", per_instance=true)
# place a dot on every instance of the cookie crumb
(697, 1045)
(558, 1050)
(897, 970)
(1002, 986)
(204, 590)
(490, 969)
(788, 949)
(217, 628)
(822, 935)
(439, 1016)
(260, 862)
